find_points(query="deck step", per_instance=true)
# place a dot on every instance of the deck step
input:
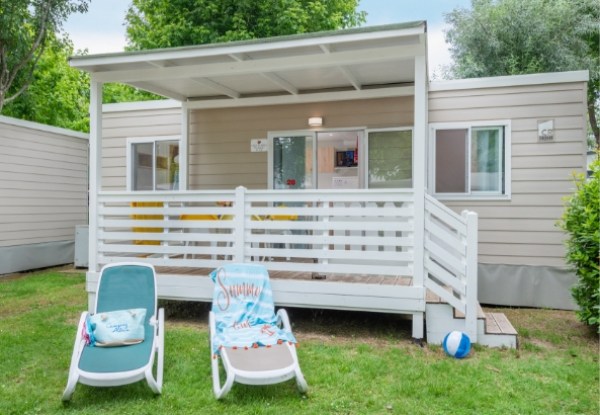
(497, 323)
(493, 329)
(480, 313)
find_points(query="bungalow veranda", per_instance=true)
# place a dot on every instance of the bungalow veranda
(338, 212)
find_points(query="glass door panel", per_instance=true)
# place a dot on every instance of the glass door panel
(390, 159)
(293, 162)
(338, 162)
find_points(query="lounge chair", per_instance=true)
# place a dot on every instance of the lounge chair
(121, 286)
(255, 345)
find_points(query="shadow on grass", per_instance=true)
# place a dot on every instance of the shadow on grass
(313, 322)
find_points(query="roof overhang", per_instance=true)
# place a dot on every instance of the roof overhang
(369, 62)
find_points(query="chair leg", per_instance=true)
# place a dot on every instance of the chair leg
(161, 349)
(301, 382)
(220, 391)
(156, 383)
(73, 369)
(71, 383)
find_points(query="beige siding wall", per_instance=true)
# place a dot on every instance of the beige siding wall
(220, 156)
(118, 126)
(522, 231)
(43, 183)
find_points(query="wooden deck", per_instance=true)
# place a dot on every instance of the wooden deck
(398, 280)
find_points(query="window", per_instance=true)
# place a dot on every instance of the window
(153, 164)
(470, 160)
(390, 159)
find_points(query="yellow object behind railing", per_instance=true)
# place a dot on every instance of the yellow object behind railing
(283, 217)
(147, 217)
(199, 217)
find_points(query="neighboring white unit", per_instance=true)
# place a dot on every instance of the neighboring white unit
(43, 193)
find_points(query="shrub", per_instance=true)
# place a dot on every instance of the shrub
(581, 221)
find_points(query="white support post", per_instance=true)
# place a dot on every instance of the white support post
(419, 166)
(95, 177)
(184, 147)
(471, 299)
(418, 325)
(239, 211)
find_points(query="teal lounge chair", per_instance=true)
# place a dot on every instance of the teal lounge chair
(121, 286)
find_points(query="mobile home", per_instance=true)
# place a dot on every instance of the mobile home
(332, 159)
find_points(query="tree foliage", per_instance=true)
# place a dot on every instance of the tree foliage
(581, 220)
(161, 23)
(510, 37)
(58, 94)
(24, 29)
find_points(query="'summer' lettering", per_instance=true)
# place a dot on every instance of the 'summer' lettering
(226, 293)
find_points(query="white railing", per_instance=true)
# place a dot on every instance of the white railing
(450, 259)
(361, 232)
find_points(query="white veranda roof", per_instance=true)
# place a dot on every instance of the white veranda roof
(347, 64)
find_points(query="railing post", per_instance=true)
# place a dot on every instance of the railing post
(95, 180)
(471, 297)
(239, 212)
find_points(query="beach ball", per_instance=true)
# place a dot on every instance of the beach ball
(457, 344)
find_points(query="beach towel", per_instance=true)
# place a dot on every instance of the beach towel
(243, 308)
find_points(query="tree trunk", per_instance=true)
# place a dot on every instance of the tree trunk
(594, 122)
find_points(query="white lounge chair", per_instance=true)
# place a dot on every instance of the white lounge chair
(121, 286)
(255, 345)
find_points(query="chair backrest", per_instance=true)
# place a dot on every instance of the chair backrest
(127, 285)
(242, 295)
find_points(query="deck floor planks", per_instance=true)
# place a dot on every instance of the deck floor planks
(397, 280)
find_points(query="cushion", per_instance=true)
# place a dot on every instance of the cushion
(116, 328)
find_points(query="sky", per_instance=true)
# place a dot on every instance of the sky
(102, 30)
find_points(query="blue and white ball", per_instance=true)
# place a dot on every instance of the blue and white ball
(457, 344)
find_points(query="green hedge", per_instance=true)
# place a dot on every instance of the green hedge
(581, 221)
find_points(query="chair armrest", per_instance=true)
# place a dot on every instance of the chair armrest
(283, 320)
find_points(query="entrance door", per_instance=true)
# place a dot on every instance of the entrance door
(293, 162)
(334, 163)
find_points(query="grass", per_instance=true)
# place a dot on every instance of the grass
(354, 363)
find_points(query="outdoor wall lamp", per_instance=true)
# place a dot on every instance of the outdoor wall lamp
(315, 121)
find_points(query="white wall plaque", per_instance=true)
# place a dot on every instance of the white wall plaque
(258, 145)
(546, 130)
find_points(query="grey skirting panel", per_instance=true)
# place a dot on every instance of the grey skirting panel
(25, 257)
(526, 286)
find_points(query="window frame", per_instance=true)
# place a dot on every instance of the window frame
(469, 126)
(131, 141)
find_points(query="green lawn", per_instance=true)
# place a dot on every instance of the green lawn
(355, 363)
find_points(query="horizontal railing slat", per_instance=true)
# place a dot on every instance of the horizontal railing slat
(442, 293)
(444, 276)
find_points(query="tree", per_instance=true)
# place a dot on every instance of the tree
(161, 24)
(581, 220)
(57, 94)
(510, 37)
(24, 28)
